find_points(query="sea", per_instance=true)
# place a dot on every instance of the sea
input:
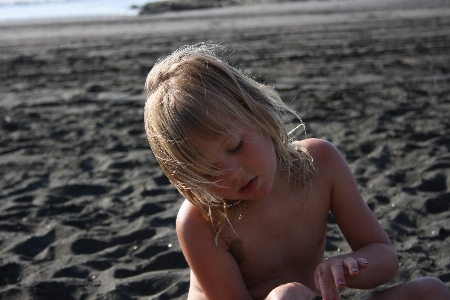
(23, 10)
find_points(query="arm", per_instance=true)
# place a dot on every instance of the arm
(358, 225)
(214, 267)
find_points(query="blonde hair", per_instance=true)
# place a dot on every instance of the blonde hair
(194, 92)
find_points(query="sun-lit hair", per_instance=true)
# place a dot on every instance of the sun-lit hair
(195, 92)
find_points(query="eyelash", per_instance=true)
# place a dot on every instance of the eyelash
(238, 147)
(232, 151)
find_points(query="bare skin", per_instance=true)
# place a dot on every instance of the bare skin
(280, 238)
(426, 288)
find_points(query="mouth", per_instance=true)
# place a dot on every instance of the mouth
(249, 187)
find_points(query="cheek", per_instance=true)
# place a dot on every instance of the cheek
(219, 190)
(222, 192)
(272, 160)
(263, 160)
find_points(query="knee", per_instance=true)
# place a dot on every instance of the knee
(292, 290)
(281, 292)
(293, 286)
(432, 287)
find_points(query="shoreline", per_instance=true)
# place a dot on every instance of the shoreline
(265, 9)
(249, 17)
(39, 10)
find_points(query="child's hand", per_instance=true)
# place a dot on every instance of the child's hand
(335, 272)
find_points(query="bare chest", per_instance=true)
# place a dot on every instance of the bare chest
(275, 245)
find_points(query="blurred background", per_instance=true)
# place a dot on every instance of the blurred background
(19, 10)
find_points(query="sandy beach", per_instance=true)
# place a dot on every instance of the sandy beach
(85, 210)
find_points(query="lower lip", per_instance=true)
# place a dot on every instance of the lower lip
(250, 187)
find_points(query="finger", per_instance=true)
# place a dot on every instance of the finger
(325, 283)
(336, 295)
(362, 263)
(337, 269)
(352, 266)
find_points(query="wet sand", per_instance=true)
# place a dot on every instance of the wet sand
(85, 211)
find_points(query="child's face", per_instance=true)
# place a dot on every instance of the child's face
(249, 160)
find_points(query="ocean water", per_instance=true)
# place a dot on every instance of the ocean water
(21, 10)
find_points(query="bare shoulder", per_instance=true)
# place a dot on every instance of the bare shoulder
(331, 168)
(216, 273)
(317, 147)
(192, 228)
(190, 218)
(187, 209)
(324, 154)
(346, 203)
(194, 234)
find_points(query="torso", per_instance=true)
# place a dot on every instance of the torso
(273, 252)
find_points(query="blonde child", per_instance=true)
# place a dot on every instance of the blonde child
(253, 225)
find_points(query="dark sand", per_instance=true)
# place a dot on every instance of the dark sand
(85, 211)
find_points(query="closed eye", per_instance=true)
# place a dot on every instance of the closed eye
(237, 148)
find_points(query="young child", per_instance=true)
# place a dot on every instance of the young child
(255, 219)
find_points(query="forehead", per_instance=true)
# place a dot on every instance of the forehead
(206, 137)
(194, 148)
